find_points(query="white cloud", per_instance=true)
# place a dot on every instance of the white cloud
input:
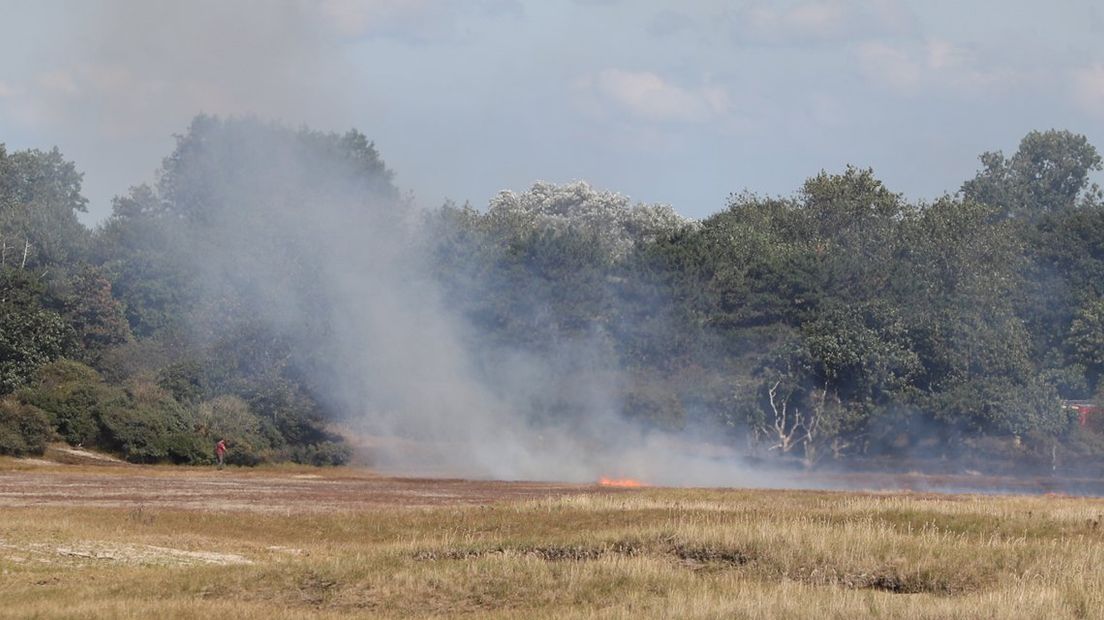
(821, 21)
(647, 96)
(1088, 88)
(890, 66)
(933, 64)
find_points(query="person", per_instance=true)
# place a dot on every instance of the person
(220, 452)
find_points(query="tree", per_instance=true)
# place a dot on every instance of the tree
(40, 196)
(606, 218)
(30, 335)
(95, 315)
(1049, 173)
(863, 353)
(1045, 188)
(1086, 338)
(141, 251)
(801, 413)
(853, 222)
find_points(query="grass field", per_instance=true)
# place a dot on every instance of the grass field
(453, 548)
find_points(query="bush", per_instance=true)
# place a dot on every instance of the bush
(65, 371)
(136, 434)
(74, 397)
(24, 429)
(150, 427)
(230, 418)
(184, 380)
(321, 454)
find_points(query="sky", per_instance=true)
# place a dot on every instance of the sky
(682, 103)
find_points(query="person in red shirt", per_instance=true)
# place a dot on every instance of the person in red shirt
(220, 452)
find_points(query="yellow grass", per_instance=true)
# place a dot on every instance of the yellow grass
(647, 553)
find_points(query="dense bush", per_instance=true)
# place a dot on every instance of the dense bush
(230, 418)
(321, 454)
(24, 429)
(150, 426)
(75, 398)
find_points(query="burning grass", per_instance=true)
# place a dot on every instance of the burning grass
(622, 483)
(650, 553)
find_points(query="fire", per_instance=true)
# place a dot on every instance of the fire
(626, 483)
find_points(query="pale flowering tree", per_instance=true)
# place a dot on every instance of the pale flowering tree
(609, 216)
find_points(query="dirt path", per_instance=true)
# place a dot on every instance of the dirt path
(256, 491)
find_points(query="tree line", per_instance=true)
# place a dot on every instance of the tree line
(841, 323)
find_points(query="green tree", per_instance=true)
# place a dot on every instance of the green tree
(1086, 338)
(30, 335)
(1048, 173)
(140, 251)
(95, 315)
(40, 196)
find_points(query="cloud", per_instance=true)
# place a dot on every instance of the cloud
(647, 96)
(933, 64)
(420, 21)
(821, 21)
(890, 66)
(1088, 88)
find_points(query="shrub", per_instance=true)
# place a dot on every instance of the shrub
(230, 418)
(321, 454)
(24, 429)
(150, 427)
(74, 397)
(184, 380)
(135, 433)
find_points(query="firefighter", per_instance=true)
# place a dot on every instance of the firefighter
(220, 452)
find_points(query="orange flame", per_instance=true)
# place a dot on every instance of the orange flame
(627, 483)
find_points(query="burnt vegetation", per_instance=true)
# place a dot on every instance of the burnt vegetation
(841, 324)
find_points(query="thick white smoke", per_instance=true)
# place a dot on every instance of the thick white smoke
(329, 255)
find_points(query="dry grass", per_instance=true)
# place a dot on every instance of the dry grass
(647, 553)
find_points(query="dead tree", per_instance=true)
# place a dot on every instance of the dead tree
(789, 427)
(792, 427)
(4, 252)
